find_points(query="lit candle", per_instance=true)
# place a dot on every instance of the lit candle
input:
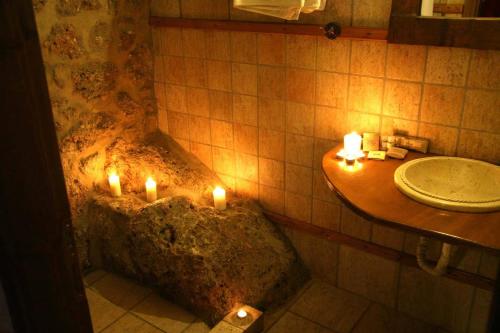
(352, 143)
(241, 314)
(150, 190)
(219, 198)
(114, 184)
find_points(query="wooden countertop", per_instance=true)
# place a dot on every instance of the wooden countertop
(371, 192)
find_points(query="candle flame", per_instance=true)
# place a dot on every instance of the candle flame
(219, 191)
(113, 177)
(150, 182)
(241, 313)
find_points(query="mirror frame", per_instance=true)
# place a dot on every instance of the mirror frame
(407, 27)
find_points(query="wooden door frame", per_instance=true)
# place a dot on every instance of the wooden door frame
(39, 267)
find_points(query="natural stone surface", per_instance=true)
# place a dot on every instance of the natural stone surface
(86, 132)
(60, 74)
(90, 4)
(64, 41)
(127, 104)
(139, 65)
(73, 7)
(94, 79)
(127, 34)
(100, 36)
(68, 7)
(205, 259)
(97, 88)
(39, 4)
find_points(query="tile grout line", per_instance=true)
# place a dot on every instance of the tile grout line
(285, 162)
(362, 314)
(314, 121)
(469, 315)
(127, 311)
(90, 285)
(384, 85)
(465, 89)
(422, 87)
(398, 281)
(147, 322)
(311, 321)
(288, 307)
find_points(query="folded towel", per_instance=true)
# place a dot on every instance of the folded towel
(313, 5)
(286, 9)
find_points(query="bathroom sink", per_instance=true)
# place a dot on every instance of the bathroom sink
(452, 183)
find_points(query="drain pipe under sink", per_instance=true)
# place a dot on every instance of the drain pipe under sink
(441, 265)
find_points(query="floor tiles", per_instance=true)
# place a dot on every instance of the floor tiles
(331, 307)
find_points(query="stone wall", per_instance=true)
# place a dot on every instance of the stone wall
(98, 62)
(262, 109)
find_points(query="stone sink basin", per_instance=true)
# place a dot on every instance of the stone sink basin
(451, 183)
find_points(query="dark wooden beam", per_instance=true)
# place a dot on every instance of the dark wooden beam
(39, 270)
(284, 28)
(378, 250)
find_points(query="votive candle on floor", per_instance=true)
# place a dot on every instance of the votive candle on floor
(114, 184)
(151, 190)
(219, 198)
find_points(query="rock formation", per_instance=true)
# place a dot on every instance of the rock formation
(204, 259)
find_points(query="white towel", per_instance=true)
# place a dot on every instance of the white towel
(313, 5)
(286, 9)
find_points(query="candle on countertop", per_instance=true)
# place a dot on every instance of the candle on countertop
(114, 184)
(150, 190)
(219, 198)
(241, 314)
(352, 143)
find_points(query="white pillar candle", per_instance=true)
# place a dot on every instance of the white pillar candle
(150, 190)
(114, 184)
(352, 143)
(219, 198)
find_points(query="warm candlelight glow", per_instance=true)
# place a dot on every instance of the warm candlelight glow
(352, 147)
(241, 314)
(114, 184)
(219, 198)
(352, 143)
(351, 166)
(150, 190)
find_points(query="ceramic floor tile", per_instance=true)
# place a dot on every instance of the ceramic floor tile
(272, 315)
(90, 278)
(102, 311)
(223, 327)
(163, 314)
(331, 307)
(120, 291)
(293, 323)
(380, 319)
(197, 327)
(131, 324)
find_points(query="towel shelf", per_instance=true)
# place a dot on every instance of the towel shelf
(285, 28)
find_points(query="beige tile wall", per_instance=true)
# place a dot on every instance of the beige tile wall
(262, 109)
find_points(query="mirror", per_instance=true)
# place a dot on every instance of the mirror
(460, 8)
(459, 23)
